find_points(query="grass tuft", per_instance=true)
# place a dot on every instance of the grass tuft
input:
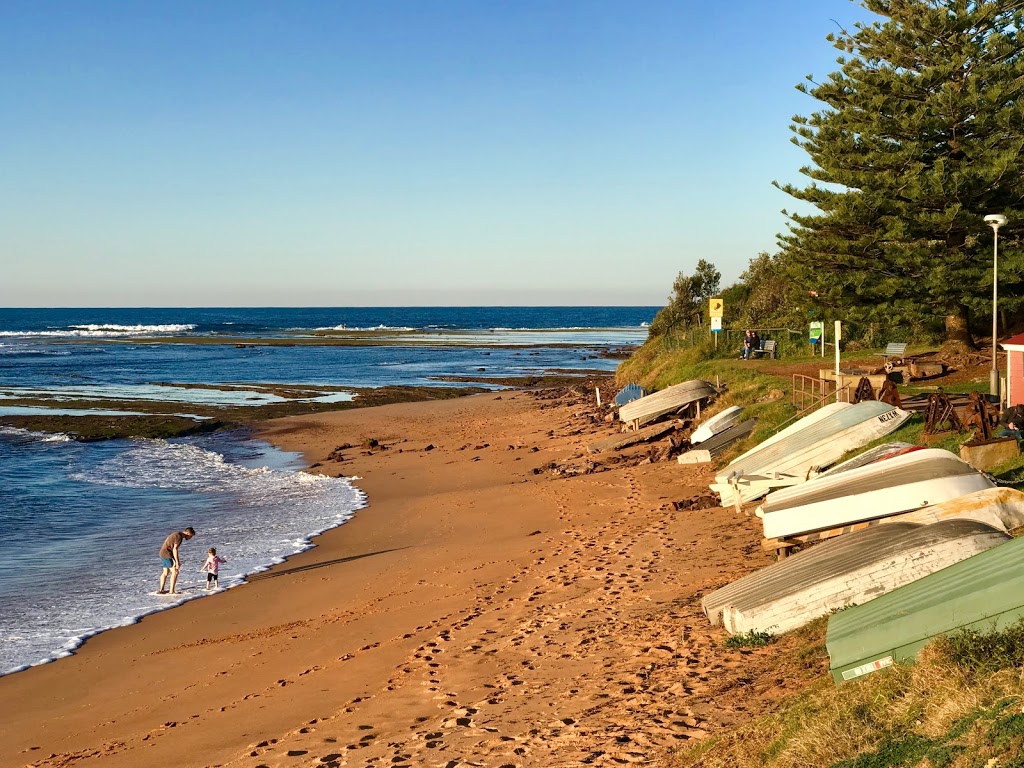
(751, 639)
(933, 713)
(983, 652)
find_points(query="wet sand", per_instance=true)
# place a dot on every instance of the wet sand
(480, 611)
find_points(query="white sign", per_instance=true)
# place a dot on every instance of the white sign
(871, 666)
(716, 325)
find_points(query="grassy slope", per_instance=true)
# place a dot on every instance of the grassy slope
(935, 713)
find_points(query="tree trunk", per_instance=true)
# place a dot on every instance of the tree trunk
(958, 332)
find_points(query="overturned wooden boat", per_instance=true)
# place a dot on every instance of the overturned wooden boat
(670, 400)
(850, 570)
(806, 448)
(717, 423)
(900, 484)
(983, 592)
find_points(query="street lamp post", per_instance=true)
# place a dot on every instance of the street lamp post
(995, 220)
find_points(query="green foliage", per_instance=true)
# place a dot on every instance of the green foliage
(751, 639)
(688, 303)
(985, 652)
(772, 299)
(907, 751)
(919, 136)
(1001, 732)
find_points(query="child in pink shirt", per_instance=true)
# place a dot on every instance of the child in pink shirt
(212, 568)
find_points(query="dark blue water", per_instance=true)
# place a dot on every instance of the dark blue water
(83, 522)
(34, 350)
(271, 320)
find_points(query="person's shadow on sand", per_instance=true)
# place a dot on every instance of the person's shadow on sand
(326, 563)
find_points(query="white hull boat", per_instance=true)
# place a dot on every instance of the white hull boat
(850, 570)
(669, 400)
(1001, 508)
(805, 448)
(717, 423)
(900, 484)
(826, 411)
(870, 456)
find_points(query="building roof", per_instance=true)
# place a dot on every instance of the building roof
(1014, 342)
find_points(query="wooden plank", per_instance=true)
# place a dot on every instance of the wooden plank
(626, 439)
(810, 538)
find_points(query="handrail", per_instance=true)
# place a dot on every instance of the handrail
(819, 402)
(808, 388)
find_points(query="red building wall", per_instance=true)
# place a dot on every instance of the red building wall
(1015, 377)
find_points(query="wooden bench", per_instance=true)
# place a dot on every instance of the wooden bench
(893, 354)
(767, 348)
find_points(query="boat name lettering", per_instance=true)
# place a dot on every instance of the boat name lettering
(888, 416)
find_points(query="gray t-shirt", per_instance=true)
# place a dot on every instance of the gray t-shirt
(172, 541)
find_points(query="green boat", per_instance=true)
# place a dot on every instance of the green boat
(983, 592)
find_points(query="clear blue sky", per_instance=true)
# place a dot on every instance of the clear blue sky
(393, 153)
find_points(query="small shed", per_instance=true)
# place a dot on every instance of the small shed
(1014, 347)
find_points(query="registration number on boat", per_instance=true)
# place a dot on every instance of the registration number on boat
(864, 669)
(889, 416)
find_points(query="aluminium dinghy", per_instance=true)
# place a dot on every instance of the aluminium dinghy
(670, 400)
(849, 570)
(717, 423)
(884, 488)
(806, 448)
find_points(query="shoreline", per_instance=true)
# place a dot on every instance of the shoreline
(454, 588)
(300, 536)
(162, 419)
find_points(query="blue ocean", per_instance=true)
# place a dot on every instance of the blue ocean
(83, 522)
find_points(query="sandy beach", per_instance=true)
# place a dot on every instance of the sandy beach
(480, 611)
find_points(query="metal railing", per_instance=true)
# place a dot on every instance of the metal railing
(810, 393)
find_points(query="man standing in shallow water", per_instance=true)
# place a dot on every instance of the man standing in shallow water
(170, 559)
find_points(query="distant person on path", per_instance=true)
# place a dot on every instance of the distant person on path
(1011, 423)
(170, 559)
(212, 568)
(747, 345)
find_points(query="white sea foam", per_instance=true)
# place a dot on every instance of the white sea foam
(43, 437)
(255, 516)
(343, 327)
(168, 328)
(7, 349)
(163, 394)
(103, 330)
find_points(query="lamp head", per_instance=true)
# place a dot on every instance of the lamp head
(995, 220)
